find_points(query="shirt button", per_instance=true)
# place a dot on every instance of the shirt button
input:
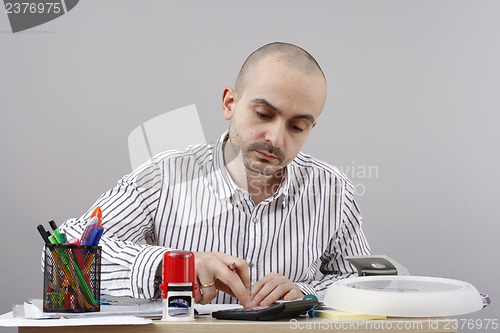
(250, 264)
(254, 220)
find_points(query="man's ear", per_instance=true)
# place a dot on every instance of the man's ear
(228, 102)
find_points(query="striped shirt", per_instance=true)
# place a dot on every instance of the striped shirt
(186, 200)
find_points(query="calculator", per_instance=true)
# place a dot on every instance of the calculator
(281, 310)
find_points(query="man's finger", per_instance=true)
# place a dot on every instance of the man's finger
(237, 265)
(219, 285)
(206, 279)
(273, 287)
(236, 285)
(197, 293)
(213, 267)
(208, 292)
(260, 284)
(265, 291)
(293, 294)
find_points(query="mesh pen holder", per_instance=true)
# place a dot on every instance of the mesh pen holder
(72, 278)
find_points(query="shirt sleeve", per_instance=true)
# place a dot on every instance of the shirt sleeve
(129, 256)
(348, 240)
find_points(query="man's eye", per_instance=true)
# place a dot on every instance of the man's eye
(296, 128)
(263, 115)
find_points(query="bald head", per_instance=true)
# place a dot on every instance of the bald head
(291, 55)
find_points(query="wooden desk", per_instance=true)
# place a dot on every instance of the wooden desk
(310, 325)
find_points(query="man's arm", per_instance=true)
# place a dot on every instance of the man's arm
(128, 210)
(129, 269)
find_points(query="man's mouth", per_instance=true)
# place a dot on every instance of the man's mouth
(266, 152)
(266, 156)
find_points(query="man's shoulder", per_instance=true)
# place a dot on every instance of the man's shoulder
(308, 164)
(194, 156)
(198, 153)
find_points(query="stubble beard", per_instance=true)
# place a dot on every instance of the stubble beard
(261, 166)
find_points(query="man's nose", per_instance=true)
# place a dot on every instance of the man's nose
(275, 134)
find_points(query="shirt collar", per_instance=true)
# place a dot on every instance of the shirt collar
(223, 182)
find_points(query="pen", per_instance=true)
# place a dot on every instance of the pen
(43, 233)
(53, 225)
(89, 230)
(98, 236)
(233, 267)
(94, 239)
(90, 254)
(107, 302)
(63, 238)
(77, 254)
(97, 212)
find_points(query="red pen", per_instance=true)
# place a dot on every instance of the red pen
(77, 254)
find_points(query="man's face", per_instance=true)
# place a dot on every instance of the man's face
(272, 118)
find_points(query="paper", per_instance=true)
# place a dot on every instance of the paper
(209, 308)
(30, 311)
(124, 311)
(8, 320)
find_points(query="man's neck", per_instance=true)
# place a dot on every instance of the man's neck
(260, 187)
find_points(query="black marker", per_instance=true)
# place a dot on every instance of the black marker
(43, 233)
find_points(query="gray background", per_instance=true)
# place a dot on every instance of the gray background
(413, 95)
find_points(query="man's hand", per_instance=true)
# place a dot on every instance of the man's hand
(216, 270)
(273, 287)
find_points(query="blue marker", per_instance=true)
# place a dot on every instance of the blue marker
(89, 231)
(95, 238)
(98, 235)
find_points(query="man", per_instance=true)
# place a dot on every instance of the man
(257, 213)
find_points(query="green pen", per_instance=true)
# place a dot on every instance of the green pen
(53, 240)
(81, 280)
(53, 225)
